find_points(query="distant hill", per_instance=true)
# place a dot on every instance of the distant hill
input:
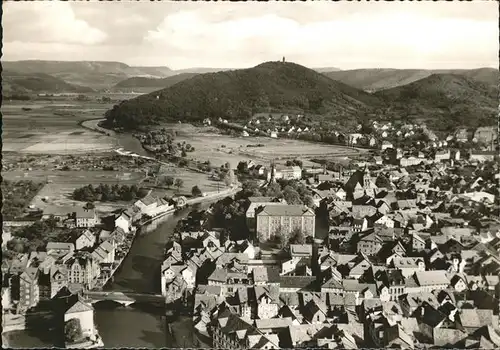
(240, 93)
(18, 83)
(326, 69)
(98, 75)
(144, 82)
(445, 101)
(381, 79)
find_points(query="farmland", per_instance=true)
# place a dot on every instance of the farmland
(51, 127)
(61, 184)
(219, 149)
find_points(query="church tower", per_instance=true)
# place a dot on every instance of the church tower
(366, 177)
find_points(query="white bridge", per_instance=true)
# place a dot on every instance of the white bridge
(123, 298)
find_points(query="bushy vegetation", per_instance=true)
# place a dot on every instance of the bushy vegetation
(73, 330)
(36, 236)
(196, 192)
(107, 193)
(292, 191)
(17, 195)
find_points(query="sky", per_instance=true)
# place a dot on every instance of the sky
(347, 35)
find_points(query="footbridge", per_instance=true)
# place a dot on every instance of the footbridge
(124, 298)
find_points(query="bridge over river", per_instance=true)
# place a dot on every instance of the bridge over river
(124, 298)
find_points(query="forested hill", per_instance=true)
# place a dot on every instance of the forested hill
(240, 93)
(445, 101)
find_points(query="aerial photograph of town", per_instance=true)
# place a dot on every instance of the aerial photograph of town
(248, 175)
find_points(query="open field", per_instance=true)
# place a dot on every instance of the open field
(190, 178)
(62, 183)
(219, 149)
(52, 127)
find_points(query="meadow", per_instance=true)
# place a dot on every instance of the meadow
(51, 127)
(219, 149)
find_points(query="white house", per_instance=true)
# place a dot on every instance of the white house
(385, 145)
(86, 239)
(146, 204)
(83, 312)
(274, 134)
(85, 217)
(353, 138)
(124, 221)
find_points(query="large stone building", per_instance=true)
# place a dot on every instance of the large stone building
(284, 218)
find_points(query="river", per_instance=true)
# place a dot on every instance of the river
(131, 326)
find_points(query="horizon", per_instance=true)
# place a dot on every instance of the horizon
(182, 35)
(233, 68)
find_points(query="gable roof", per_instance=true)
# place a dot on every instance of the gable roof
(285, 210)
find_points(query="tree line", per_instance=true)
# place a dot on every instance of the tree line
(107, 193)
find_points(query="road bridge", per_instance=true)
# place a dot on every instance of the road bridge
(124, 298)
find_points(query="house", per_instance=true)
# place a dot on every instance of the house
(106, 251)
(59, 213)
(353, 138)
(461, 135)
(255, 203)
(417, 243)
(82, 270)
(264, 301)
(396, 337)
(385, 145)
(471, 320)
(85, 217)
(230, 331)
(431, 280)
(442, 155)
(378, 160)
(369, 244)
(359, 225)
(147, 204)
(284, 218)
(274, 134)
(482, 156)
(386, 221)
(52, 282)
(486, 134)
(77, 308)
(86, 239)
(6, 298)
(244, 133)
(455, 154)
(124, 221)
(6, 236)
(29, 291)
(409, 161)
(287, 173)
(315, 311)
(408, 265)
(59, 248)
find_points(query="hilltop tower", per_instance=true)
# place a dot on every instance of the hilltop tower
(283, 59)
